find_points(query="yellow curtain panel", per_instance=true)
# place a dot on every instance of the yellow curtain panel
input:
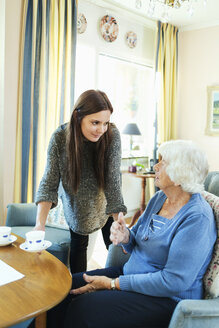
(166, 65)
(46, 86)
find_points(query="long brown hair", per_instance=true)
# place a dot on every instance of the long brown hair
(89, 102)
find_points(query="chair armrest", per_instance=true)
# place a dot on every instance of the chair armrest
(196, 313)
(21, 214)
(211, 183)
(116, 256)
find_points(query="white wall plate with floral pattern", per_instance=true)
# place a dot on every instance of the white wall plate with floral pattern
(109, 28)
(131, 39)
(81, 23)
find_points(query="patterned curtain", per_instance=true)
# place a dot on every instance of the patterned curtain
(46, 86)
(166, 65)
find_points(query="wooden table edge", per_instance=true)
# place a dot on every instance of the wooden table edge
(48, 307)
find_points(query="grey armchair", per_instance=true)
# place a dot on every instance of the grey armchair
(22, 217)
(212, 183)
(188, 313)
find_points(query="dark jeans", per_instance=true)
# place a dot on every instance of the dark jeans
(109, 308)
(78, 248)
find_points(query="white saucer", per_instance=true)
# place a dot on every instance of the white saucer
(46, 244)
(10, 241)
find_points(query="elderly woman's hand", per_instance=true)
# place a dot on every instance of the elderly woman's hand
(119, 232)
(93, 283)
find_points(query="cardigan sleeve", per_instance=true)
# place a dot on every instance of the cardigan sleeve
(115, 203)
(48, 188)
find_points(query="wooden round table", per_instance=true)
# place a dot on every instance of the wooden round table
(46, 283)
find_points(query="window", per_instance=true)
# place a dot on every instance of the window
(130, 88)
(85, 70)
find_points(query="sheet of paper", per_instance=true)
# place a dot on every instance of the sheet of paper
(8, 274)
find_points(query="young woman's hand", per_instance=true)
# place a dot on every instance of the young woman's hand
(39, 227)
(119, 232)
(42, 213)
(93, 283)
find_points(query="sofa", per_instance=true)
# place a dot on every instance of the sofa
(193, 313)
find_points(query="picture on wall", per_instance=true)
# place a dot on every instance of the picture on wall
(212, 127)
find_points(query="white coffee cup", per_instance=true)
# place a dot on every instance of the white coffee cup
(35, 239)
(5, 234)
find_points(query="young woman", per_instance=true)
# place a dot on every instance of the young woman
(83, 163)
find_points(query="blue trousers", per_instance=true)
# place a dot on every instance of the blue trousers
(109, 308)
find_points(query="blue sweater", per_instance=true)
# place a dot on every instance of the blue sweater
(171, 261)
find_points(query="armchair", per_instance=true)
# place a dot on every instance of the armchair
(193, 313)
(22, 217)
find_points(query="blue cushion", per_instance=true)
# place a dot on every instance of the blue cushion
(23, 214)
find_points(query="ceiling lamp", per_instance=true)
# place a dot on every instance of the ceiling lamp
(164, 8)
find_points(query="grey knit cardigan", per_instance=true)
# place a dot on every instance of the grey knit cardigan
(88, 209)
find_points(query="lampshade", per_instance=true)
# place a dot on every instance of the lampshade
(131, 129)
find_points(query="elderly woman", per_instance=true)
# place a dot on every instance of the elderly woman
(170, 245)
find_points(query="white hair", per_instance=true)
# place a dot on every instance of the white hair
(187, 165)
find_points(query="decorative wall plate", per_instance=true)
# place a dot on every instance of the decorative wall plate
(81, 23)
(109, 28)
(131, 39)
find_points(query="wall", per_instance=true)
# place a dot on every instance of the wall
(2, 57)
(198, 68)
(12, 39)
(143, 52)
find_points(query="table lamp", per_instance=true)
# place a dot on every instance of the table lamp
(131, 129)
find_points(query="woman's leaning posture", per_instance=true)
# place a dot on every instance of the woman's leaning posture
(84, 156)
